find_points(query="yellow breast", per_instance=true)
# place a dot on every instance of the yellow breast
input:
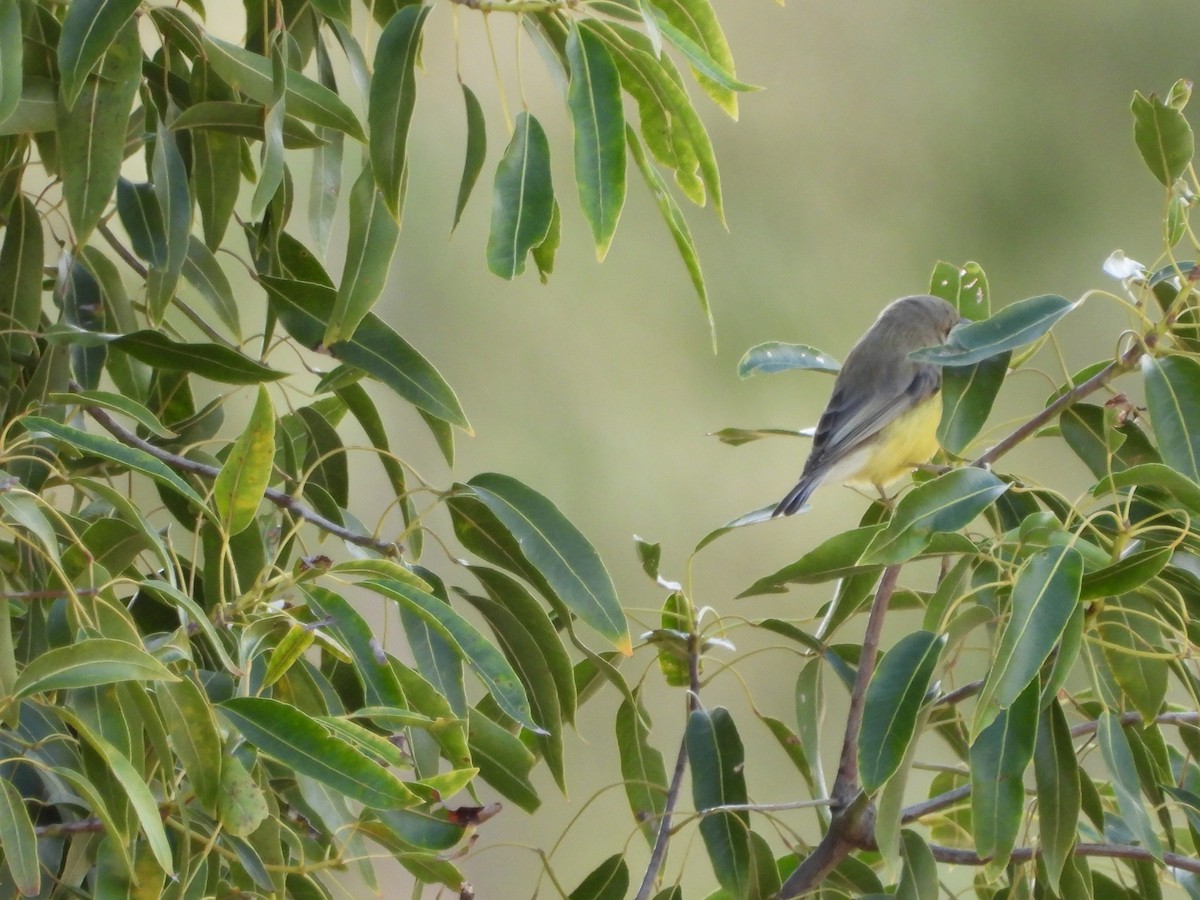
(902, 445)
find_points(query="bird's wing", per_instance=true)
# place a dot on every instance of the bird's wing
(856, 413)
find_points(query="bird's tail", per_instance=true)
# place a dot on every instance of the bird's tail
(797, 496)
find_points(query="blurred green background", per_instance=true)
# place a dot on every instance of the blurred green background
(888, 136)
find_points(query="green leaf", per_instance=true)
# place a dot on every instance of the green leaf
(1114, 747)
(964, 287)
(1132, 643)
(11, 51)
(86, 663)
(132, 457)
(245, 120)
(503, 761)
(251, 74)
(380, 679)
(676, 224)
(476, 651)
(717, 761)
(271, 158)
(21, 277)
(1180, 487)
(89, 29)
(544, 253)
(117, 403)
(522, 199)
(204, 273)
(968, 393)
(559, 551)
(239, 486)
(608, 881)
(241, 806)
(1044, 597)
(326, 182)
(892, 706)
(133, 786)
(1163, 136)
(37, 106)
(642, 769)
(1013, 326)
(695, 20)
(390, 106)
(214, 156)
(16, 830)
(370, 245)
(919, 880)
(175, 201)
(999, 757)
(775, 356)
(1126, 574)
(476, 152)
(92, 132)
(946, 504)
(212, 361)
(836, 557)
(304, 309)
(594, 100)
(1057, 773)
(141, 217)
(188, 715)
(296, 740)
(1103, 445)
(1173, 396)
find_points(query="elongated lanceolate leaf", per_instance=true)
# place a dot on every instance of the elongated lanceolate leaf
(1044, 597)
(522, 199)
(476, 152)
(837, 557)
(775, 356)
(716, 757)
(642, 769)
(89, 29)
(304, 308)
(245, 120)
(213, 361)
(21, 276)
(946, 504)
(1173, 395)
(1014, 326)
(325, 185)
(1057, 772)
(188, 716)
(559, 551)
(1118, 756)
(594, 100)
(11, 51)
(117, 403)
(174, 199)
(16, 830)
(370, 245)
(287, 734)
(204, 273)
(90, 662)
(133, 458)
(251, 74)
(141, 216)
(476, 651)
(999, 757)
(390, 106)
(92, 132)
(1163, 136)
(239, 486)
(968, 393)
(893, 705)
(608, 881)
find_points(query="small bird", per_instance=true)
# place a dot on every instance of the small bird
(883, 416)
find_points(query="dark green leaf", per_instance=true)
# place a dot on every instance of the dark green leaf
(326, 183)
(391, 102)
(1114, 747)
(1132, 643)
(1173, 395)
(214, 157)
(133, 458)
(1163, 136)
(10, 58)
(1101, 443)
(21, 278)
(476, 152)
(1180, 487)
(78, 293)
(522, 199)
(251, 74)
(919, 880)
(946, 504)
(503, 761)
(271, 169)
(1057, 774)
(174, 199)
(1013, 326)
(380, 679)
(476, 651)
(594, 100)
(608, 881)
(717, 758)
(893, 703)
(89, 29)
(285, 733)
(245, 120)
(837, 557)
(141, 216)
(213, 361)
(304, 308)
(968, 393)
(324, 456)
(16, 830)
(205, 274)
(544, 253)
(370, 245)
(94, 128)
(642, 769)
(1044, 597)
(37, 107)
(1126, 574)
(775, 356)
(559, 551)
(999, 757)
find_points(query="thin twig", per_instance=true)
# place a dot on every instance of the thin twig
(1109, 851)
(935, 804)
(661, 840)
(1135, 718)
(764, 807)
(970, 689)
(283, 500)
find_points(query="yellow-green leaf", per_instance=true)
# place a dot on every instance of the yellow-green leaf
(244, 477)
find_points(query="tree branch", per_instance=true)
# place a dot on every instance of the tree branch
(284, 501)
(1024, 854)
